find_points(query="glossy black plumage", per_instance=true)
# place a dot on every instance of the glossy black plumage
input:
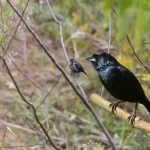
(118, 80)
(76, 67)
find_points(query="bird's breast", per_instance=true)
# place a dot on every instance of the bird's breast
(104, 76)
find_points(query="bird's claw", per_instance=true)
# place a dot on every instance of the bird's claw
(131, 119)
(114, 106)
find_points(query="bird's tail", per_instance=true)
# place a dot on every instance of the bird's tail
(85, 73)
(147, 104)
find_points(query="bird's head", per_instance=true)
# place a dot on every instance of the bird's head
(102, 59)
(72, 60)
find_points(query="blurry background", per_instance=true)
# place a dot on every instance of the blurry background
(85, 31)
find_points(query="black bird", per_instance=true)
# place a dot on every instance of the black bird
(119, 82)
(76, 67)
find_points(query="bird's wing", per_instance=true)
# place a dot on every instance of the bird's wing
(79, 67)
(122, 83)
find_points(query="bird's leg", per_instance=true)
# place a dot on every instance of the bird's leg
(76, 75)
(114, 106)
(72, 74)
(132, 117)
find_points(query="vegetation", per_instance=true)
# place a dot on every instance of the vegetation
(86, 26)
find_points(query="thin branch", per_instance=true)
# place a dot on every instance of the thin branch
(10, 56)
(90, 108)
(148, 69)
(33, 108)
(129, 41)
(16, 29)
(24, 73)
(46, 110)
(82, 91)
(52, 123)
(57, 81)
(44, 93)
(49, 91)
(60, 30)
(38, 133)
(104, 104)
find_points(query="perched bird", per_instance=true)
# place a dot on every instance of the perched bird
(76, 67)
(119, 82)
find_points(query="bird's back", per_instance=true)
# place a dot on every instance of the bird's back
(121, 83)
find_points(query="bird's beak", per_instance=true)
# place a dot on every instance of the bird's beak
(91, 58)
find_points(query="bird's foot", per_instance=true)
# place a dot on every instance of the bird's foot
(113, 106)
(131, 119)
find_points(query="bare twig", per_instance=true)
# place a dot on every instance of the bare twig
(16, 29)
(49, 91)
(63, 46)
(38, 133)
(46, 110)
(60, 30)
(24, 73)
(148, 69)
(104, 104)
(128, 39)
(44, 93)
(81, 89)
(33, 108)
(57, 81)
(65, 52)
(5, 51)
(90, 108)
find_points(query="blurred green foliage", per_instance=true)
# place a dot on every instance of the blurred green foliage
(133, 13)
